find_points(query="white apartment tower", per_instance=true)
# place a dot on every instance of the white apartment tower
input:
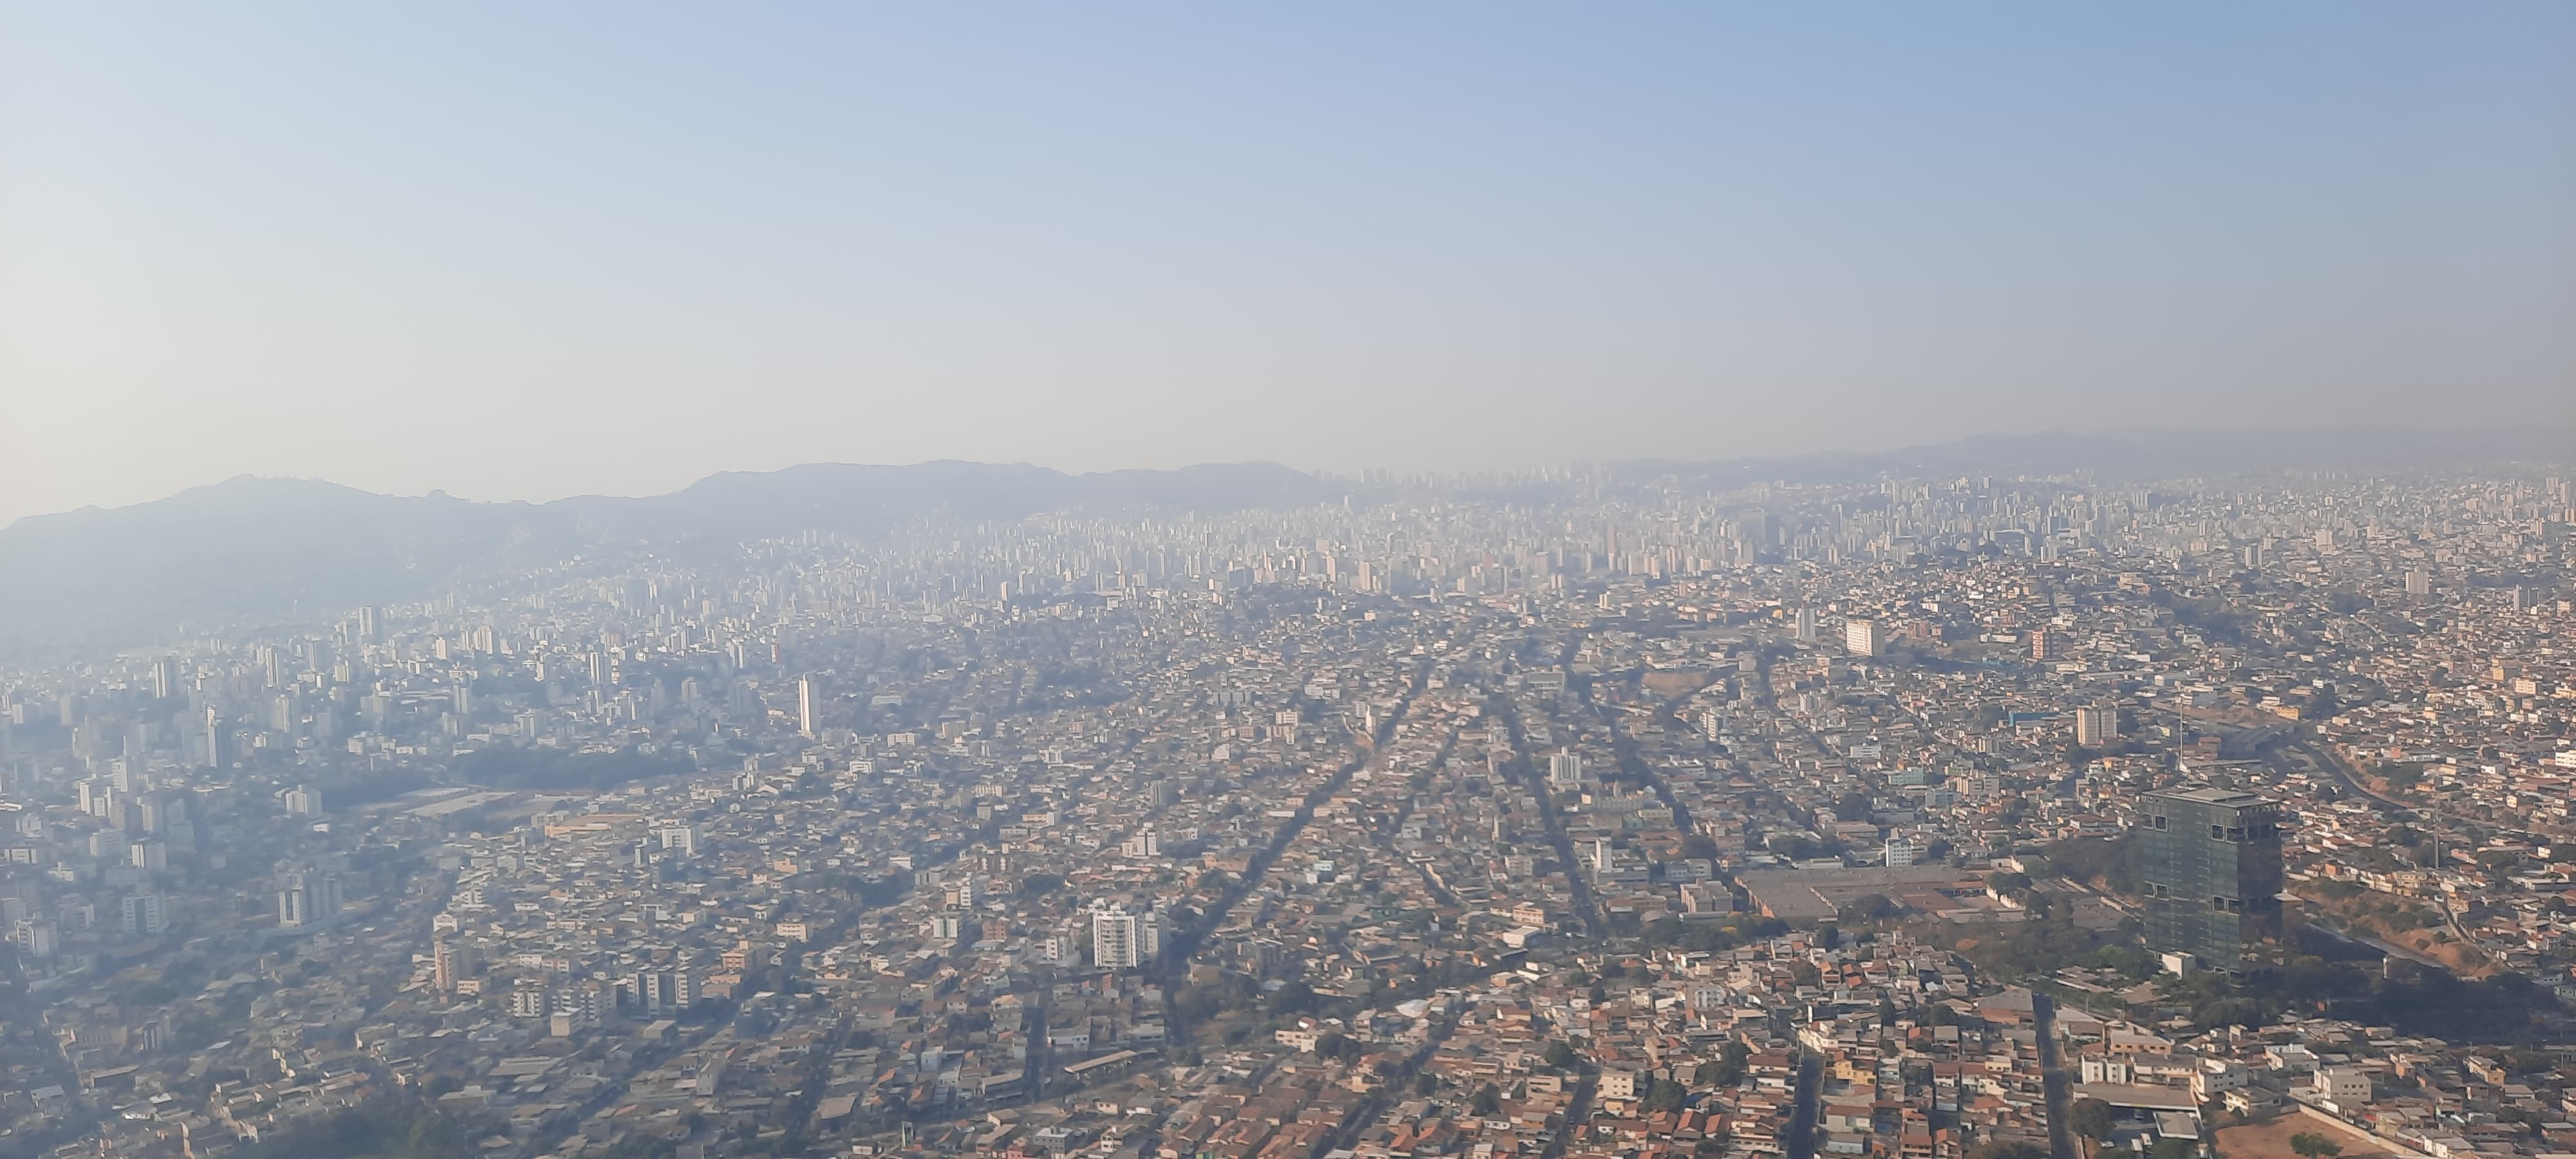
(1861, 638)
(1565, 771)
(308, 899)
(1125, 941)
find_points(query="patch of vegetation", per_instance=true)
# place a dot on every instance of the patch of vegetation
(2112, 863)
(2315, 1146)
(2497, 1009)
(2046, 941)
(389, 1130)
(558, 769)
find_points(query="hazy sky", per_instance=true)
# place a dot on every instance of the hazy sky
(525, 250)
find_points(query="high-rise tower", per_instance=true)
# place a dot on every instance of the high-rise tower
(2213, 874)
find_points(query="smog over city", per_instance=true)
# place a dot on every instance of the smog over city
(1264, 582)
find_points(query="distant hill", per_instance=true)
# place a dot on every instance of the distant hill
(253, 548)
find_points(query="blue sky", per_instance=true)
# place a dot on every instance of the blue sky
(521, 251)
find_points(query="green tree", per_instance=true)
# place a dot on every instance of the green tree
(2315, 1146)
(1487, 1100)
(2091, 1119)
(1559, 1054)
(1293, 998)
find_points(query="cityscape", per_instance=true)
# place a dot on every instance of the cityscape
(1585, 813)
(837, 580)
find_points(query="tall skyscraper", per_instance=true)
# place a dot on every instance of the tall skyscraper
(2212, 874)
(805, 705)
(1861, 638)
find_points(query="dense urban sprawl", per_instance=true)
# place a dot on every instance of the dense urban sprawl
(1546, 817)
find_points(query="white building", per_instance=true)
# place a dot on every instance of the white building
(1861, 638)
(1125, 941)
(36, 939)
(2343, 1086)
(1565, 771)
(306, 900)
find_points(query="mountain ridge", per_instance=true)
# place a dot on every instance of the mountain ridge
(256, 546)
(261, 546)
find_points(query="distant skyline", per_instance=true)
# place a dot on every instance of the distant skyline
(521, 252)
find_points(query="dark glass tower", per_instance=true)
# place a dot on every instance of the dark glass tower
(2213, 874)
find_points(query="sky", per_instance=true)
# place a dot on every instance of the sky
(520, 251)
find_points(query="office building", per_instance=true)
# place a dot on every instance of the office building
(2212, 875)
